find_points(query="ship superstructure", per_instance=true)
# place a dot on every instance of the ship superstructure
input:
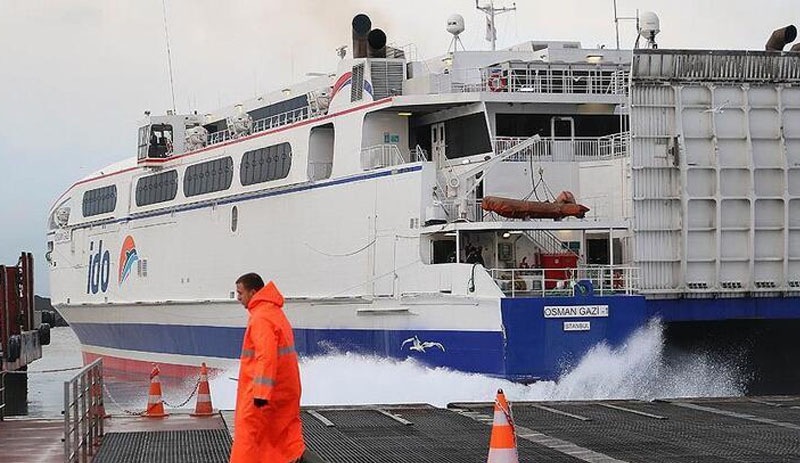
(361, 194)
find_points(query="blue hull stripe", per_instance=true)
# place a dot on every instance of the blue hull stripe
(534, 347)
(471, 351)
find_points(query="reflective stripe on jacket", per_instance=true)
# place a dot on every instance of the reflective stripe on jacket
(269, 371)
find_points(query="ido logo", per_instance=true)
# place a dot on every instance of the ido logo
(99, 269)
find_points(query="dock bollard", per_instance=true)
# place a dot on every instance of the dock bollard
(155, 405)
(203, 407)
(503, 443)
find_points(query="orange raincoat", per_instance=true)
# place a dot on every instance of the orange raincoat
(269, 371)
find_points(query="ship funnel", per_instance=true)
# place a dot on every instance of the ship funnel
(781, 37)
(377, 44)
(795, 48)
(361, 27)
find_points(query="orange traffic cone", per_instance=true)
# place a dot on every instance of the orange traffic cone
(155, 406)
(203, 407)
(503, 444)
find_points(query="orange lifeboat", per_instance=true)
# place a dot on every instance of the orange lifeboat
(563, 206)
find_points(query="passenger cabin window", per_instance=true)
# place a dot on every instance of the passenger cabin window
(155, 141)
(100, 201)
(208, 177)
(265, 164)
(157, 188)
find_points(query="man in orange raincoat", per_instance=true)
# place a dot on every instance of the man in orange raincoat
(267, 424)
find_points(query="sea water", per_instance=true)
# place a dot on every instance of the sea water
(638, 369)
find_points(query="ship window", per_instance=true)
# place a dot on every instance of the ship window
(265, 164)
(586, 125)
(208, 177)
(160, 143)
(100, 201)
(157, 188)
(466, 136)
(144, 139)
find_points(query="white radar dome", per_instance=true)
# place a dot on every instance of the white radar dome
(649, 25)
(455, 24)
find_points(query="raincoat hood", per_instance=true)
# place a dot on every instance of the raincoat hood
(268, 294)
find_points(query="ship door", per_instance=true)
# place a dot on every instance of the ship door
(438, 146)
(562, 134)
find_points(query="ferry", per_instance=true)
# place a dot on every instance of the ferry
(496, 212)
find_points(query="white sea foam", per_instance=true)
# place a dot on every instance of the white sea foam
(638, 369)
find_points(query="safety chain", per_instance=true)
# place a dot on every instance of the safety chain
(129, 412)
(196, 387)
(509, 418)
(140, 413)
(23, 372)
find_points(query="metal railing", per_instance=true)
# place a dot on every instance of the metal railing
(541, 282)
(538, 79)
(567, 149)
(469, 210)
(261, 125)
(408, 51)
(715, 66)
(83, 413)
(418, 154)
(379, 156)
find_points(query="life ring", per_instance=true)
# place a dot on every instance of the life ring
(497, 82)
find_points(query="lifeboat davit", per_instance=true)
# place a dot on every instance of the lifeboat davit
(563, 206)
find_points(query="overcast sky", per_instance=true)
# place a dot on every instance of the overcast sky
(76, 75)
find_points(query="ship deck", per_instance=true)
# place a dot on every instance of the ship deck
(764, 429)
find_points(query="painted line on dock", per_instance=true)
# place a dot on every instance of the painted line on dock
(321, 418)
(743, 416)
(630, 410)
(764, 402)
(560, 412)
(394, 417)
(559, 445)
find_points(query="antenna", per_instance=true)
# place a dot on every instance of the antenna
(490, 11)
(618, 18)
(169, 56)
(455, 26)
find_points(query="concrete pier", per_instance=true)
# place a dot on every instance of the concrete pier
(743, 429)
